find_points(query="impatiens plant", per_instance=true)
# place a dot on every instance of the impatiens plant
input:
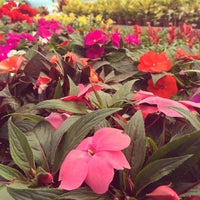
(98, 113)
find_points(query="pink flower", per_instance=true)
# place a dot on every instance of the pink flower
(115, 37)
(149, 103)
(163, 192)
(94, 161)
(83, 93)
(56, 119)
(95, 37)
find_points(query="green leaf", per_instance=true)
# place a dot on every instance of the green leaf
(115, 56)
(10, 173)
(194, 191)
(4, 194)
(192, 118)
(177, 147)
(123, 92)
(58, 91)
(20, 149)
(157, 170)
(76, 39)
(57, 104)
(83, 194)
(79, 131)
(32, 117)
(22, 192)
(40, 140)
(73, 89)
(136, 151)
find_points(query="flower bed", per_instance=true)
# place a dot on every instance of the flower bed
(98, 113)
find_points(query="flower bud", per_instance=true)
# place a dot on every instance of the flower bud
(45, 179)
(163, 193)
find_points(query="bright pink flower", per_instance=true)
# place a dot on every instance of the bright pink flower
(132, 39)
(56, 119)
(94, 161)
(163, 192)
(83, 93)
(70, 29)
(115, 37)
(149, 103)
(95, 37)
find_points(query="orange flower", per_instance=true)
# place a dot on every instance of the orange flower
(94, 77)
(165, 87)
(54, 59)
(71, 58)
(84, 61)
(154, 62)
(11, 64)
(182, 55)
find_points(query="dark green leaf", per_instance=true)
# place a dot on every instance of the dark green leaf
(58, 91)
(40, 140)
(78, 131)
(22, 192)
(136, 151)
(10, 173)
(122, 93)
(57, 104)
(193, 191)
(20, 149)
(73, 89)
(178, 146)
(157, 170)
(83, 194)
(32, 117)
(192, 118)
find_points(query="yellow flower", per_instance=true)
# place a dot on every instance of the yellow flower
(98, 18)
(82, 20)
(109, 21)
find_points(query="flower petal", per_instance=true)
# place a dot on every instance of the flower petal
(100, 174)
(74, 170)
(115, 158)
(110, 139)
(162, 104)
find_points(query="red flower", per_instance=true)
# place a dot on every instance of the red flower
(154, 62)
(165, 87)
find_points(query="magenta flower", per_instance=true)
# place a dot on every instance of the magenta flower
(115, 37)
(132, 39)
(94, 51)
(70, 29)
(95, 37)
(195, 97)
(94, 161)
(163, 192)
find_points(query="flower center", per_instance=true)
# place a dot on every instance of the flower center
(90, 152)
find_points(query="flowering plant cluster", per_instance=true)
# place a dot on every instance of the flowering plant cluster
(105, 113)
